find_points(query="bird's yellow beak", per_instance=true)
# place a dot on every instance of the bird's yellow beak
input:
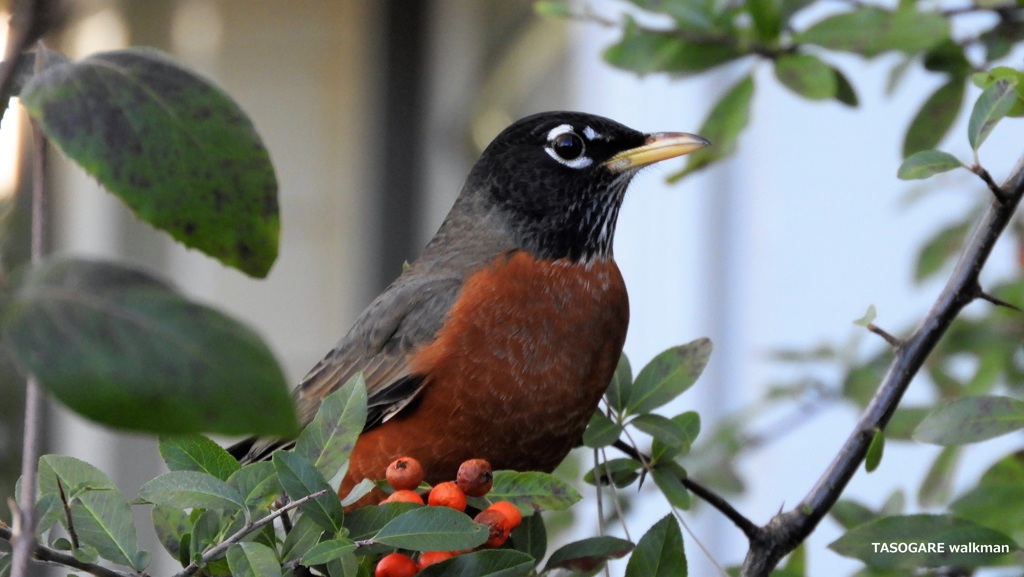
(659, 146)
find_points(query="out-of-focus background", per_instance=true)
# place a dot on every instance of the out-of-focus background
(373, 112)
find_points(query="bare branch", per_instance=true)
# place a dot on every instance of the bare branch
(788, 529)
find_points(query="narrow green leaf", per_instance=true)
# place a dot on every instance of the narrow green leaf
(619, 472)
(970, 420)
(875, 451)
(601, 431)
(934, 119)
(904, 30)
(663, 429)
(806, 75)
(941, 249)
(329, 439)
(531, 491)
(767, 19)
(993, 104)
(689, 424)
(191, 489)
(927, 163)
(328, 550)
(102, 516)
(258, 485)
(659, 552)
(197, 453)
(617, 395)
(868, 318)
(668, 375)
(644, 51)
(985, 79)
(300, 478)
(122, 348)
(849, 513)
(986, 503)
(365, 522)
(722, 127)
(253, 560)
(845, 93)
(531, 537)
(671, 487)
(174, 147)
(305, 534)
(916, 541)
(937, 483)
(589, 554)
(433, 529)
(488, 563)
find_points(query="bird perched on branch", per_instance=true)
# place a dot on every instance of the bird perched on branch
(499, 341)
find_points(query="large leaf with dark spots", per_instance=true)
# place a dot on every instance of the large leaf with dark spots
(122, 348)
(174, 147)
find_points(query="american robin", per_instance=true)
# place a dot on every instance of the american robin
(499, 341)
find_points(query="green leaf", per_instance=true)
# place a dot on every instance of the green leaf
(531, 537)
(329, 439)
(986, 503)
(937, 483)
(258, 485)
(927, 163)
(985, 79)
(191, 489)
(433, 529)
(940, 249)
(589, 554)
(668, 375)
(531, 491)
(875, 450)
(619, 472)
(845, 92)
(767, 18)
(971, 419)
(689, 424)
(671, 486)
(916, 541)
(905, 30)
(101, 515)
(122, 348)
(806, 75)
(659, 552)
(849, 513)
(175, 148)
(365, 522)
(993, 104)
(663, 429)
(601, 431)
(645, 51)
(488, 563)
(253, 560)
(197, 453)
(301, 539)
(300, 478)
(328, 550)
(722, 127)
(868, 318)
(934, 119)
(171, 524)
(617, 395)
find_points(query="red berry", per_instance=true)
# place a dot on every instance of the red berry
(404, 473)
(510, 511)
(428, 558)
(395, 565)
(475, 477)
(404, 496)
(447, 494)
(497, 522)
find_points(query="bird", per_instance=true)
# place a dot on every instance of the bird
(500, 339)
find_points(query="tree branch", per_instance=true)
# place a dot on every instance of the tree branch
(218, 551)
(48, 555)
(787, 530)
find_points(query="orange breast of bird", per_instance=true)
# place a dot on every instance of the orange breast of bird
(514, 374)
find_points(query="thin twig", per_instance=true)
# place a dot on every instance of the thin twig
(218, 550)
(991, 184)
(788, 529)
(67, 515)
(48, 555)
(714, 499)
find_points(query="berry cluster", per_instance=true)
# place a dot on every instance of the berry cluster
(474, 479)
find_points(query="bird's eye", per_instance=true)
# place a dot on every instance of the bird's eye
(568, 146)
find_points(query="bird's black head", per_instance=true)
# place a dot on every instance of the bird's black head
(560, 177)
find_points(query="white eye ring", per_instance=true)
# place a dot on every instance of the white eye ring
(567, 147)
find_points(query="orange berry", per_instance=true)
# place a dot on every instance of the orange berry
(404, 473)
(395, 565)
(447, 494)
(404, 496)
(498, 523)
(475, 477)
(428, 558)
(510, 511)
